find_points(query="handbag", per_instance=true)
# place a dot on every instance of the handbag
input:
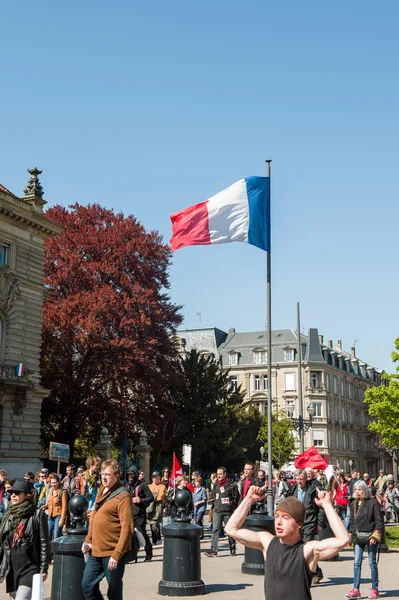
(362, 537)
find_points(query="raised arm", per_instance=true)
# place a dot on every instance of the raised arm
(252, 539)
(316, 551)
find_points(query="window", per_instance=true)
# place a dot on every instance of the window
(4, 255)
(261, 407)
(342, 388)
(314, 380)
(318, 412)
(289, 382)
(327, 382)
(289, 355)
(260, 357)
(336, 412)
(329, 438)
(233, 359)
(345, 440)
(265, 383)
(335, 385)
(328, 411)
(343, 414)
(256, 383)
(318, 438)
(234, 383)
(337, 439)
(350, 390)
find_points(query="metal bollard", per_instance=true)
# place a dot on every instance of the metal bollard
(181, 569)
(259, 520)
(69, 562)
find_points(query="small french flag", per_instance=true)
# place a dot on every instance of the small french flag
(19, 370)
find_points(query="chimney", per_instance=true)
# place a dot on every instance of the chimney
(320, 339)
(339, 344)
(353, 351)
(232, 330)
(330, 344)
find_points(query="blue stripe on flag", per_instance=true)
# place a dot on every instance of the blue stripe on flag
(258, 192)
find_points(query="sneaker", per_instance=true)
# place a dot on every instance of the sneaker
(353, 594)
(210, 553)
(234, 553)
(374, 593)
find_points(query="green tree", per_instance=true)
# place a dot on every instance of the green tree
(212, 417)
(383, 404)
(283, 441)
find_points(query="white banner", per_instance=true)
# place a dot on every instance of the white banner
(186, 458)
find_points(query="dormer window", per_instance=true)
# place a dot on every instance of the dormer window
(233, 359)
(289, 355)
(260, 357)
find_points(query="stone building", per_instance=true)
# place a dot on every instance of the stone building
(23, 231)
(333, 380)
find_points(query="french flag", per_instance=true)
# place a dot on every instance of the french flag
(240, 213)
(19, 370)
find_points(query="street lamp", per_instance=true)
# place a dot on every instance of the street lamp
(300, 424)
(350, 464)
(262, 452)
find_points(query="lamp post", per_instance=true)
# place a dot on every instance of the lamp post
(262, 452)
(350, 463)
(300, 424)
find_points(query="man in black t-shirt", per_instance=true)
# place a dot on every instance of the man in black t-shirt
(290, 563)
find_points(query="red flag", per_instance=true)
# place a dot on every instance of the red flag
(310, 458)
(176, 471)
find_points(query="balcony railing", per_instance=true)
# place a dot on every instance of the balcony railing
(320, 420)
(9, 375)
(315, 389)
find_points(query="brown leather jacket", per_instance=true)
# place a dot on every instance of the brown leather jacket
(57, 504)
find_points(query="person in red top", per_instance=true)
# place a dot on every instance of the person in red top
(341, 499)
(248, 480)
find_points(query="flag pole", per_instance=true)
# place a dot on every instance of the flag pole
(270, 506)
(300, 396)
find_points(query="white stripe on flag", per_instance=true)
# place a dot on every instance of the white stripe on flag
(229, 214)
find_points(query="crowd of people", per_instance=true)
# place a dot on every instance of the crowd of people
(322, 514)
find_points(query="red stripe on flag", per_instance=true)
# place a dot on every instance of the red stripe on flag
(190, 227)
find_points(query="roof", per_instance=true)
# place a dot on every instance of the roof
(7, 191)
(245, 343)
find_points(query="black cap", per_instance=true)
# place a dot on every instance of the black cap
(20, 485)
(156, 474)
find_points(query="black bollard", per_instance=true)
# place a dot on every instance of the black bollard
(181, 569)
(69, 561)
(259, 520)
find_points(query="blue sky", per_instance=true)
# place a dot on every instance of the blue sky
(151, 107)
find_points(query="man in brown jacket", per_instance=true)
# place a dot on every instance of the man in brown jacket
(109, 536)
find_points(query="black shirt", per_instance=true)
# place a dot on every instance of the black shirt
(287, 574)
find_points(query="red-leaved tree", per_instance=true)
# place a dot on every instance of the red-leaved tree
(108, 356)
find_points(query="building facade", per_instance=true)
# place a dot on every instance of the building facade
(333, 380)
(23, 231)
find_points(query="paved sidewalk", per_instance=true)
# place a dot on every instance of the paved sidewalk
(224, 580)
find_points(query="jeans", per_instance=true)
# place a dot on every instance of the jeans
(217, 521)
(199, 516)
(22, 593)
(54, 525)
(342, 511)
(95, 570)
(372, 553)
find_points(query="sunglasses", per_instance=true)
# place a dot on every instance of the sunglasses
(15, 493)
